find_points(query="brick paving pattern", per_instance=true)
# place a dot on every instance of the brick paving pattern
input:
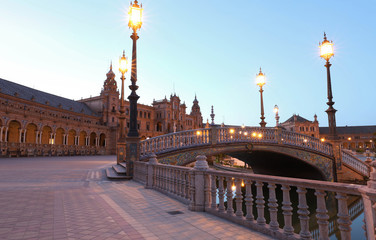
(70, 198)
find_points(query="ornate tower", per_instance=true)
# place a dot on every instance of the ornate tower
(196, 113)
(110, 98)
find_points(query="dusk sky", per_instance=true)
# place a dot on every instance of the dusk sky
(210, 48)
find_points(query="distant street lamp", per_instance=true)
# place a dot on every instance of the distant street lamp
(326, 52)
(260, 81)
(133, 139)
(276, 110)
(123, 68)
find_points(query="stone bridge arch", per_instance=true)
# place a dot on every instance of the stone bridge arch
(321, 165)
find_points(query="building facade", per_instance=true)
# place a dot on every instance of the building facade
(352, 137)
(36, 123)
(301, 125)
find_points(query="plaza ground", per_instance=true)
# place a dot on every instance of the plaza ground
(71, 198)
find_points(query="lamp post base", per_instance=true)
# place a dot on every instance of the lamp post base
(120, 152)
(132, 153)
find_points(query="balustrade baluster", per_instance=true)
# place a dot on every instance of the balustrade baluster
(273, 207)
(179, 174)
(183, 184)
(249, 200)
(221, 195)
(192, 190)
(322, 215)
(207, 191)
(344, 221)
(165, 179)
(303, 213)
(229, 195)
(175, 181)
(260, 204)
(238, 198)
(213, 192)
(187, 189)
(170, 180)
(287, 211)
(159, 187)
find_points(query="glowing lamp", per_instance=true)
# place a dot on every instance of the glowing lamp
(254, 134)
(198, 133)
(135, 16)
(275, 109)
(326, 49)
(123, 64)
(260, 79)
(260, 135)
(349, 138)
(322, 139)
(233, 187)
(232, 130)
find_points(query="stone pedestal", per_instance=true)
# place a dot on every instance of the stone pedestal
(213, 135)
(132, 153)
(337, 151)
(120, 151)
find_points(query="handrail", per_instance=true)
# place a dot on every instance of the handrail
(220, 135)
(355, 163)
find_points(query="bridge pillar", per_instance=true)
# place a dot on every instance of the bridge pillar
(337, 166)
(132, 153)
(369, 201)
(213, 135)
(150, 170)
(199, 185)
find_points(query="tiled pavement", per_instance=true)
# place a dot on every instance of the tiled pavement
(70, 198)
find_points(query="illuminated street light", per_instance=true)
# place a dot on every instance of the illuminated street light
(276, 110)
(133, 139)
(123, 68)
(260, 81)
(326, 52)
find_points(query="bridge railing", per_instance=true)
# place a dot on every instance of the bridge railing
(220, 135)
(355, 163)
(176, 140)
(242, 198)
(272, 135)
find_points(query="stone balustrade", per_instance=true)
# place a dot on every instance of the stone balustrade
(32, 150)
(221, 135)
(241, 198)
(355, 163)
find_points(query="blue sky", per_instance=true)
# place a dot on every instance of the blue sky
(210, 48)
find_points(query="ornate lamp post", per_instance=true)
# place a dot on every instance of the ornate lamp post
(133, 139)
(326, 52)
(275, 110)
(123, 68)
(260, 81)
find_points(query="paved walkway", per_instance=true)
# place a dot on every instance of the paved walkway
(70, 198)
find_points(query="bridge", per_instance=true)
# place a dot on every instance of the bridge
(280, 206)
(255, 143)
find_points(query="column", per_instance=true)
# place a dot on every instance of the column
(36, 136)
(24, 136)
(6, 134)
(1, 134)
(20, 135)
(40, 137)
(96, 142)
(78, 140)
(51, 140)
(66, 139)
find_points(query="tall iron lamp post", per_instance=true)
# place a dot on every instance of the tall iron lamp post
(260, 81)
(326, 52)
(123, 68)
(276, 110)
(133, 139)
